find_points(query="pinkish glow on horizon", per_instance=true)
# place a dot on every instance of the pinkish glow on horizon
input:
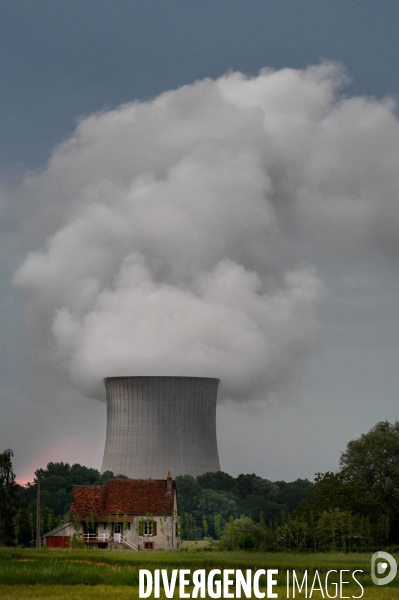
(63, 450)
(23, 482)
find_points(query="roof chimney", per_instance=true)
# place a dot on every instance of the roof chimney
(169, 483)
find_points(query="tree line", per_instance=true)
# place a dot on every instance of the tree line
(221, 494)
(355, 508)
(18, 503)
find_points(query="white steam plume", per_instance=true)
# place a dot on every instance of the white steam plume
(176, 225)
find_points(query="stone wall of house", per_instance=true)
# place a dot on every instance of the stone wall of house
(166, 533)
(164, 539)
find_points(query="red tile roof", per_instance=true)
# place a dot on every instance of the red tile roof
(88, 499)
(126, 496)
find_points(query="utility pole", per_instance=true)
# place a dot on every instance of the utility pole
(38, 541)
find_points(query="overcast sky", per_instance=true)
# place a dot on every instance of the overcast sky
(245, 226)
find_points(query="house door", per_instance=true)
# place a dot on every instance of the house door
(117, 532)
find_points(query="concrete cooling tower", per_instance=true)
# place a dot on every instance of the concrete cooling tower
(161, 424)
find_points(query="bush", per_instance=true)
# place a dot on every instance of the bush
(75, 541)
(246, 541)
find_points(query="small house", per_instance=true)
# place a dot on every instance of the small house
(139, 514)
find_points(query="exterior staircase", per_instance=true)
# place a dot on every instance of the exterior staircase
(125, 541)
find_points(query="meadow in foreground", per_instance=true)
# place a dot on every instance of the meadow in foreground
(106, 592)
(75, 574)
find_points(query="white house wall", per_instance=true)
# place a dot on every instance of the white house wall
(160, 540)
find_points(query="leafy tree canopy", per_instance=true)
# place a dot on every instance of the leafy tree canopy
(367, 484)
(373, 460)
(248, 494)
(9, 501)
(56, 482)
(339, 491)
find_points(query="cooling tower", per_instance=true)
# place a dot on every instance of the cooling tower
(161, 424)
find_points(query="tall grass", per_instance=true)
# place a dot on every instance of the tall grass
(74, 568)
(105, 592)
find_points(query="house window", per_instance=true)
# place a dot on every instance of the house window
(149, 528)
(89, 528)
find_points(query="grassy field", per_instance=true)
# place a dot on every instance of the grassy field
(58, 574)
(104, 592)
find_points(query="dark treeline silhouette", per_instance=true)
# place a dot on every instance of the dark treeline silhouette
(221, 494)
(356, 508)
(18, 503)
(56, 482)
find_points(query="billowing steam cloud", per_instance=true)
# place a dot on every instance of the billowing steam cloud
(178, 226)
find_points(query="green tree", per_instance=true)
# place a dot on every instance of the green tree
(189, 526)
(216, 481)
(213, 502)
(292, 493)
(339, 490)
(218, 525)
(125, 524)
(232, 532)
(9, 501)
(32, 528)
(57, 480)
(16, 525)
(373, 459)
(249, 494)
(243, 533)
(205, 526)
(188, 492)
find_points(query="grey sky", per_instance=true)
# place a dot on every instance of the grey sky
(62, 61)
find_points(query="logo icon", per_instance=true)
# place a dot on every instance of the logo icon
(383, 559)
